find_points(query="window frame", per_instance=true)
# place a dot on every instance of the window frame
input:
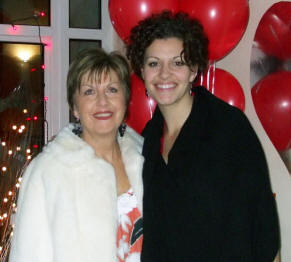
(56, 54)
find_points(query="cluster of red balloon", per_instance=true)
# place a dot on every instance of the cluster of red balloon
(272, 94)
(224, 23)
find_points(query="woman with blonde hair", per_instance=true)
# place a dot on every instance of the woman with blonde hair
(80, 199)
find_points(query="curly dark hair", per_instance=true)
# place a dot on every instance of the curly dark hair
(165, 25)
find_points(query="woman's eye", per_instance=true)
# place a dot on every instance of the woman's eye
(153, 64)
(112, 89)
(179, 63)
(89, 92)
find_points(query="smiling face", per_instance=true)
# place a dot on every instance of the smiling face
(100, 105)
(167, 78)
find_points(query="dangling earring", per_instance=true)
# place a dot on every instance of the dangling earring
(77, 130)
(122, 129)
(191, 90)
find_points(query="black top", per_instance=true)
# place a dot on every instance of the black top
(213, 200)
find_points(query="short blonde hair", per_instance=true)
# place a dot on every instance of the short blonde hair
(96, 62)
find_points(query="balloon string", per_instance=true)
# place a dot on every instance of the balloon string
(211, 77)
(201, 79)
(208, 76)
(150, 102)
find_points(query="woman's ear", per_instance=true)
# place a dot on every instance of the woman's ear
(76, 112)
(194, 71)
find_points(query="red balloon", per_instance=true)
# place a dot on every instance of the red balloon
(225, 86)
(141, 107)
(273, 34)
(272, 101)
(224, 22)
(125, 14)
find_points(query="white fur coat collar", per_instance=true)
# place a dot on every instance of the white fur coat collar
(67, 203)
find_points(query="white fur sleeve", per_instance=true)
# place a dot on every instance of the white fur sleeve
(31, 241)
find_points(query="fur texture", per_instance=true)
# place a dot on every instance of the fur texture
(67, 203)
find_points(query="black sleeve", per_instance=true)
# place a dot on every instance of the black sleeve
(263, 207)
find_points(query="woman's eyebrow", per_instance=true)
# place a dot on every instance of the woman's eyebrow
(148, 57)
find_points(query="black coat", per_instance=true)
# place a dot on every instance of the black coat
(213, 200)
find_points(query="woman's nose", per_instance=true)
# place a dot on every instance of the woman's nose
(102, 98)
(164, 70)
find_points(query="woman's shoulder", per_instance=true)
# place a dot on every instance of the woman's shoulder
(218, 108)
(134, 135)
(65, 148)
(132, 138)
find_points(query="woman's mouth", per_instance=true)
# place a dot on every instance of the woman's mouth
(103, 115)
(165, 86)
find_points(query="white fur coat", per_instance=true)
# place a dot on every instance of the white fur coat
(67, 206)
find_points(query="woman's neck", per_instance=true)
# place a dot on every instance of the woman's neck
(175, 115)
(105, 147)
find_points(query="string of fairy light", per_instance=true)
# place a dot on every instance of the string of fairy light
(10, 197)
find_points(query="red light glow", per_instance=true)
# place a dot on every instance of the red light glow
(13, 30)
(35, 118)
(47, 41)
(42, 14)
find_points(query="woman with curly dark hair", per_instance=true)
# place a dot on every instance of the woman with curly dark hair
(207, 194)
